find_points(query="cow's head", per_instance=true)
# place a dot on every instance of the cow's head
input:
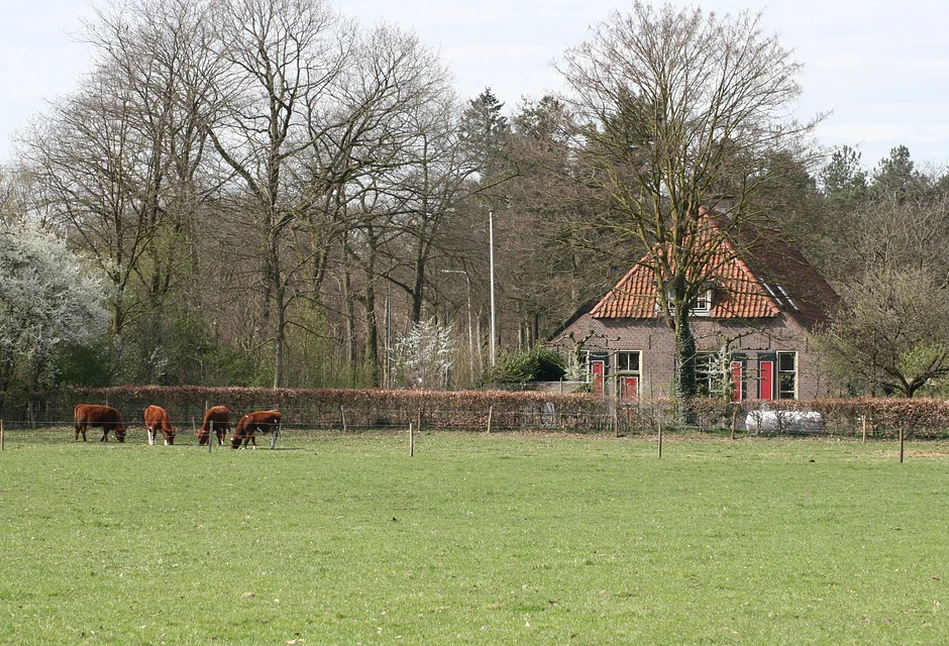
(235, 441)
(120, 432)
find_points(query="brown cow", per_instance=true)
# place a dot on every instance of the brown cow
(265, 421)
(156, 419)
(105, 417)
(220, 418)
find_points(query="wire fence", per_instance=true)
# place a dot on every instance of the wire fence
(308, 412)
(644, 419)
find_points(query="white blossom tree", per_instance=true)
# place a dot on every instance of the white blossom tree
(423, 356)
(46, 301)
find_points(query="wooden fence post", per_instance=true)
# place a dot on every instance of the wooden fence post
(901, 442)
(211, 435)
(734, 419)
(411, 441)
(490, 412)
(1, 434)
(342, 416)
(660, 438)
(864, 419)
(418, 427)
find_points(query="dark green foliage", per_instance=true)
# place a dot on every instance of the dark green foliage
(84, 365)
(538, 364)
(843, 178)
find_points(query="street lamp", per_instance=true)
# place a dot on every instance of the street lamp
(470, 337)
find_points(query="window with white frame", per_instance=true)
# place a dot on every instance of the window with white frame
(627, 362)
(703, 304)
(787, 375)
(707, 374)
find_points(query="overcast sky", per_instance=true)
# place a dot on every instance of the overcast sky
(881, 67)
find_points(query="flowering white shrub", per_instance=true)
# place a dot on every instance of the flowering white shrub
(46, 300)
(422, 358)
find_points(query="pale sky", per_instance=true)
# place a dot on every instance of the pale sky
(881, 67)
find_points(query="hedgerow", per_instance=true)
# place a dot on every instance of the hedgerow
(329, 408)
(474, 410)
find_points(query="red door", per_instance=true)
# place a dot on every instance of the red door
(766, 380)
(598, 368)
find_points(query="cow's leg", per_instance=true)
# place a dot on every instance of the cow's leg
(105, 433)
(151, 435)
(273, 438)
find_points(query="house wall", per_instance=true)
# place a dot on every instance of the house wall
(657, 346)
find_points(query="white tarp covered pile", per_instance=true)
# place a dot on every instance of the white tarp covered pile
(783, 421)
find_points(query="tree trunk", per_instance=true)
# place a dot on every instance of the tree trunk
(280, 338)
(684, 376)
(372, 323)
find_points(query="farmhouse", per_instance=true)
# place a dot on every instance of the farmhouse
(752, 324)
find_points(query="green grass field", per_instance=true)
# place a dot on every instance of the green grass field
(477, 539)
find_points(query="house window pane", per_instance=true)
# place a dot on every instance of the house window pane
(706, 373)
(703, 303)
(786, 361)
(787, 375)
(627, 361)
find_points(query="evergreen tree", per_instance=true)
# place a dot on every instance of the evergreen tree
(844, 179)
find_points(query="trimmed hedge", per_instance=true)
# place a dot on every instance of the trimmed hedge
(327, 408)
(469, 410)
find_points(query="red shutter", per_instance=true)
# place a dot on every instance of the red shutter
(766, 380)
(630, 388)
(598, 368)
(736, 370)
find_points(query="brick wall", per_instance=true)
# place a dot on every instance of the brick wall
(653, 339)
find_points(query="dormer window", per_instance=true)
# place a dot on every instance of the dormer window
(703, 304)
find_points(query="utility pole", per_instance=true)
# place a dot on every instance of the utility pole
(491, 255)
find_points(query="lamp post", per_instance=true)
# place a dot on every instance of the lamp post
(470, 336)
(491, 258)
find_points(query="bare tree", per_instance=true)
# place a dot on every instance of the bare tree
(282, 58)
(116, 164)
(891, 337)
(358, 167)
(682, 106)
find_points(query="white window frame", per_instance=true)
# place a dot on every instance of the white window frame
(627, 370)
(781, 373)
(703, 304)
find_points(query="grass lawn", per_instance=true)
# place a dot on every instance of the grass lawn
(478, 539)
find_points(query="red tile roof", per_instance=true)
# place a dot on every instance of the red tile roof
(775, 279)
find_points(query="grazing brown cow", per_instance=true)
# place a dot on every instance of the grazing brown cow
(105, 417)
(265, 421)
(220, 417)
(156, 419)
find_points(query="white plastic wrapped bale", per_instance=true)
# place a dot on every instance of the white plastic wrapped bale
(783, 421)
